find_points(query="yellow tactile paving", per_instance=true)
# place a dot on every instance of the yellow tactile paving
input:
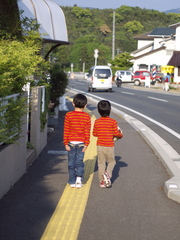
(67, 217)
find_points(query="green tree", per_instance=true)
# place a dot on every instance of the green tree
(122, 60)
(80, 12)
(83, 51)
(18, 61)
(89, 26)
(118, 17)
(58, 83)
(174, 16)
(9, 18)
(133, 26)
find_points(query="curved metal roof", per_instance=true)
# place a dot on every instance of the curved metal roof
(50, 17)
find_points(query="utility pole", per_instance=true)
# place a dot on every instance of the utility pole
(113, 36)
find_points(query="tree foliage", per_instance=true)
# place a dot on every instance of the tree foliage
(18, 61)
(86, 31)
(118, 17)
(133, 27)
(80, 12)
(58, 83)
(9, 18)
(122, 60)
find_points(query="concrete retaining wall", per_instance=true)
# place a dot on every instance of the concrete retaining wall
(12, 163)
(16, 158)
(37, 138)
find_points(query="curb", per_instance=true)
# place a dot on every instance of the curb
(167, 155)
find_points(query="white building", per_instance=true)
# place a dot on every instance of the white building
(154, 48)
(175, 59)
(159, 47)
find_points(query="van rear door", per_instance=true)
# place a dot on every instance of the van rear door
(102, 78)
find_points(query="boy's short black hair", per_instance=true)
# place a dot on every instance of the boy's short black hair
(80, 100)
(104, 108)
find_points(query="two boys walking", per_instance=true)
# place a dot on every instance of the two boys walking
(77, 138)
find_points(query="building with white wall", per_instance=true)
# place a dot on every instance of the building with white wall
(154, 48)
(175, 59)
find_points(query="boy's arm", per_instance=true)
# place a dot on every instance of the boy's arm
(87, 131)
(117, 131)
(66, 130)
(94, 130)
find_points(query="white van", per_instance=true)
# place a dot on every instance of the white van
(99, 77)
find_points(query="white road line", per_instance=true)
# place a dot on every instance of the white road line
(138, 113)
(127, 93)
(158, 99)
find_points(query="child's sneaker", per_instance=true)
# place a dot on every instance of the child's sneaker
(79, 183)
(107, 179)
(102, 184)
(73, 185)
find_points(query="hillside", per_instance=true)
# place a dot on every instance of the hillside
(89, 29)
(177, 10)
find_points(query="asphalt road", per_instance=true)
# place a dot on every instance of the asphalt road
(158, 110)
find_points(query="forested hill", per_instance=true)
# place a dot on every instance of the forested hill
(90, 29)
(177, 10)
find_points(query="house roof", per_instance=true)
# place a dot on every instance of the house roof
(159, 32)
(175, 59)
(156, 32)
(148, 53)
(145, 47)
(175, 25)
(49, 16)
(143, 36)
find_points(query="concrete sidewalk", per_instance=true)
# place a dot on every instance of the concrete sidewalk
(134, 208)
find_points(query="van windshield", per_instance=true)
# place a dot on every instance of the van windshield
(102, 73)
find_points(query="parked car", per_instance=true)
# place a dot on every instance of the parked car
(125, 75)
(86, 76)
(159, 77)
(141, 75)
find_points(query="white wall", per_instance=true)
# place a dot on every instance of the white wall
(143, 43)
(13, 162)
(38, 138)
(13, 158)
(178, 38)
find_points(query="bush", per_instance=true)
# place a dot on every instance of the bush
(58, 83)
(18, 61)
(11, 118)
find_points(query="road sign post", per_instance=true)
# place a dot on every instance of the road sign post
(72, 67)
(96, 56)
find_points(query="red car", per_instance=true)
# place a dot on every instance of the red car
(140, 77)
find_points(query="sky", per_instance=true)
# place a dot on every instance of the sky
(160, 5)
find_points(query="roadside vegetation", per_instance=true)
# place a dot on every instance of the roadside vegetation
(90, 29)
(21, 63)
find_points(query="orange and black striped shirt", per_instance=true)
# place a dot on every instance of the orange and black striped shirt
(77, 127)
(105, 129)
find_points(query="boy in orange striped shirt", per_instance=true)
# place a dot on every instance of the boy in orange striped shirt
(76, 139)
(105, 129)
